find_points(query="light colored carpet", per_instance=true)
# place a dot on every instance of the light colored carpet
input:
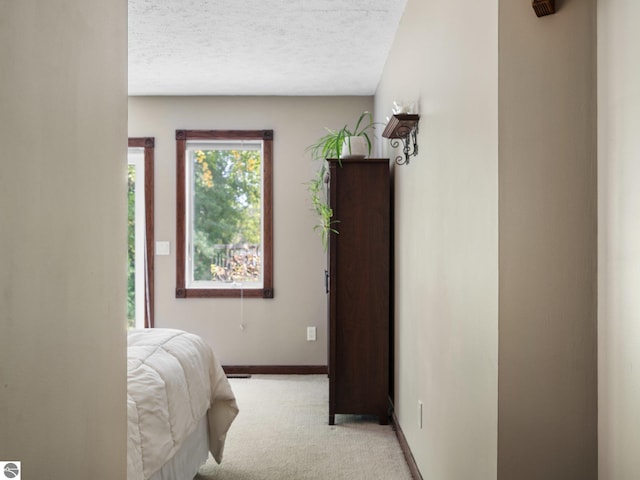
(282, 433)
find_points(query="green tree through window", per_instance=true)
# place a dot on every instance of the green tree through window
(131, 254)
(227, 215)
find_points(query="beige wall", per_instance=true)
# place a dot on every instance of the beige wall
(538, 81)
(56, 310)
(446, 236)
(619, 239)
(275, 330)
(62, 241)
(548, 246)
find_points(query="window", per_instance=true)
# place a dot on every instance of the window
(140, 295)
(224, 227)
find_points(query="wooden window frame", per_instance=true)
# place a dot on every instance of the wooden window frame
(182, 136)
(148, 144)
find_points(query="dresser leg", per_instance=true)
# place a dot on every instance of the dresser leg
(332, 419)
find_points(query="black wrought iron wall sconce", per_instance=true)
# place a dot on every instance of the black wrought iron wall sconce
(403, 127)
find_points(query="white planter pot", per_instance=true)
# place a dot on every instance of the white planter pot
(354, 147)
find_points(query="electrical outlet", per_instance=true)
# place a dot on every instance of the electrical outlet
(311, 334)
(419, 413)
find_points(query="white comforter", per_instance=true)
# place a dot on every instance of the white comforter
(173, 381)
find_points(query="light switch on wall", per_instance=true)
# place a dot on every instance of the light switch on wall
(163, 248)
(311, 334)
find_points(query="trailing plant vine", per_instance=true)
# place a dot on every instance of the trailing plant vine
(320, 204)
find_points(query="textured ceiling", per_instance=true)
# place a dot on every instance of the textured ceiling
(259, 47)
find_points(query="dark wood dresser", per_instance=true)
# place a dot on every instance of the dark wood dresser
(358, 288)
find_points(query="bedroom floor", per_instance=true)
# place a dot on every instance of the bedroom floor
(282, 433)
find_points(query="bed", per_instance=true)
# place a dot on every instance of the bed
(179, 405)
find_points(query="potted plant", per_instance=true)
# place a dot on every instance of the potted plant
(343, 143)
(346, 142)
